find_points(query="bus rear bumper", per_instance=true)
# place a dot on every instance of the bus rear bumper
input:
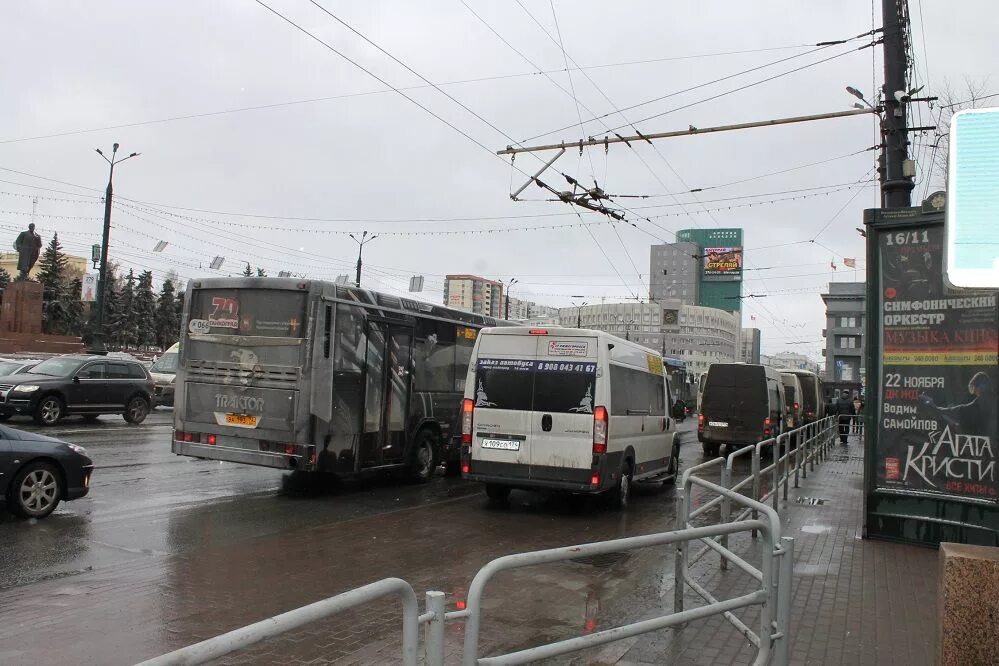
(244, 456)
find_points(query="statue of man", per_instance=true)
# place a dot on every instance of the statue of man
(28, 246)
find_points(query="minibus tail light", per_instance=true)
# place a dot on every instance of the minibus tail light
(467, 407)
(600, 423)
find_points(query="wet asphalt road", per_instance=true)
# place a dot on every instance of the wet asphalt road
(149, 509)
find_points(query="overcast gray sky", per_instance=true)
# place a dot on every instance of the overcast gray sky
(370, 159)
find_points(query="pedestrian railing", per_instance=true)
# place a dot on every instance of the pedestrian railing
(773, 578)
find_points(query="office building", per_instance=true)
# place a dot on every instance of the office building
(787, 360)
(750, 345)
(703, 267)
(472, 293)
(697, 335)
(846, 314)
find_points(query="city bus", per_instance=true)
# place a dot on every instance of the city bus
(679, 380)
(312, 376)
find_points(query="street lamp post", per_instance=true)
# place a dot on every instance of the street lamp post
(98, 337)
(579, 313)
(360, 246)
(506, 313)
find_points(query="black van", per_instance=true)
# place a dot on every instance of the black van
(812, 396)
(742, 404)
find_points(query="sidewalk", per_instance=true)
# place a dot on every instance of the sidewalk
(855, 601)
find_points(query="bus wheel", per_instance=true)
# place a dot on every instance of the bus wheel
(424, 457)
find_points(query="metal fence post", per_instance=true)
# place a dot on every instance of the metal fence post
(756, 484)
(786, 448)
(782, 655)
(776, 474)
(726, 510)
(433, 648)
(680, 565)
(810, 460)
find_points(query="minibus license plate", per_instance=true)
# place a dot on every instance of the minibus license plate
(244, 420)
(502, 444)
(718, 424)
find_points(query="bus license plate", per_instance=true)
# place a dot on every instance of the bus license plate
(718, 424)
(243, 420)
(502, 444)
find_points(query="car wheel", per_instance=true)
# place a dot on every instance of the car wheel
(497, 493)
(49, 411)
(621, 495)
(674, 468)
(136, 410)
(36, 490)
(424, 457)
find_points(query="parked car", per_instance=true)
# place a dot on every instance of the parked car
(792, 401)
(78, 384)
(164, 372)
(12, 366)
(38, 472)
(743, 404)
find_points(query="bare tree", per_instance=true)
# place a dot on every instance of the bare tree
(971, 96)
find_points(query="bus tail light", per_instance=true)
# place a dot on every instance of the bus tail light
(192, 437)
(467, 408)
(211, 439)
(600, 422)
(290, 449)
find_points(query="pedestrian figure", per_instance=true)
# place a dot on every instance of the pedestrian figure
(844, 414)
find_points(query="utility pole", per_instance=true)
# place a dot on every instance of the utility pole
(360, 246)
(98, 337)
(896, 187)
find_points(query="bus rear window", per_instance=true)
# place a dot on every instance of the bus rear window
(255, 312)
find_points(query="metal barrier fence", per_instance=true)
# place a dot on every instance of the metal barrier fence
(774, 577)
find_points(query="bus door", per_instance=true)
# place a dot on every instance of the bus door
(388, 371)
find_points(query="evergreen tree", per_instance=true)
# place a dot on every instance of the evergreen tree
(261, 272)
(145, 310)
(125, 321)
(52, 269)
(181, 295)
(75, 316)
(247, 272)
(167, 318)
(4, 281)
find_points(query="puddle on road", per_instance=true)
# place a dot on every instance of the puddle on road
(814, 501)
(816, 529)
(605, 561)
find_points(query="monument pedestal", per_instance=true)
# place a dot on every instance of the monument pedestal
(21, 323)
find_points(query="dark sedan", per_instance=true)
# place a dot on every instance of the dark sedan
(38, 472)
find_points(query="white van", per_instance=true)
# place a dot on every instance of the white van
(565, 409)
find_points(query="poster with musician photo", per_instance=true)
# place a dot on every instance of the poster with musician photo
(937, 407)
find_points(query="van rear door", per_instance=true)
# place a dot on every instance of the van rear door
(736, 403)
(562, 408)
(504, 385)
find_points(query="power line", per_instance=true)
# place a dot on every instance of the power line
(689, 89)
(498, 77)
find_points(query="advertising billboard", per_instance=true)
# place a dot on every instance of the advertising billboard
(937, 405)
(723, 263)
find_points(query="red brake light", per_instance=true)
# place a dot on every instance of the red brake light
(600, 422)
(700, 422)
(538, 331)
(289, 449)
(460, 605)
(467, 408)
(182, 436)
(796, 406)
(210, 439)
(595, 480)
(465, 467)
(766, 426)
